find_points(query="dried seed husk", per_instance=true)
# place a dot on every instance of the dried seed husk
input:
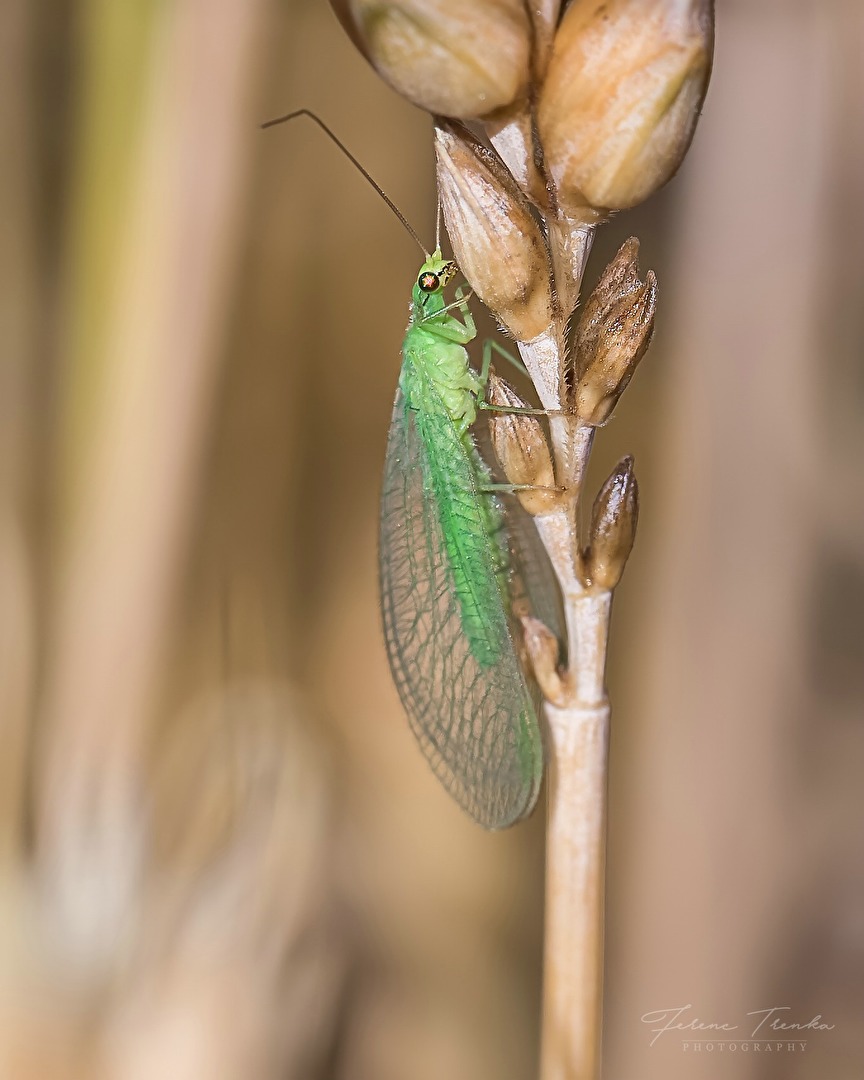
(496, 240)
(621, 99)
(460, 58)
(520, 445)
(544, 651)
(613, 526)
(612, 335)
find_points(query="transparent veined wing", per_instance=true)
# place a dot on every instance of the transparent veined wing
(475, 722)
(533, 584)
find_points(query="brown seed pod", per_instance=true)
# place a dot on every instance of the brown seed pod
(462, 58)
(612, 336)
(520, 445)
(622, 96)
(613, 526)
(544, 652)
(497, 242)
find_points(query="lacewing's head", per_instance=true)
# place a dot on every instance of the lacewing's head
(432, 278)
(436, 273)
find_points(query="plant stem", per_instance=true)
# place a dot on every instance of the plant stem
(578, 735)
(575, 877)
(577, 717)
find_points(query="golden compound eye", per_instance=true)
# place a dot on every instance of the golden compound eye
(429, 282)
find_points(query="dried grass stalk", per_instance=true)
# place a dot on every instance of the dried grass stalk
(597, 119)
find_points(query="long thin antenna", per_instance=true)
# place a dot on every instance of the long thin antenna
(317, 119)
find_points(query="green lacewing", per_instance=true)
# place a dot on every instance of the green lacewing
(446, 555)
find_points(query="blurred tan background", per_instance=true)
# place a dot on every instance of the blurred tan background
(222, 854)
